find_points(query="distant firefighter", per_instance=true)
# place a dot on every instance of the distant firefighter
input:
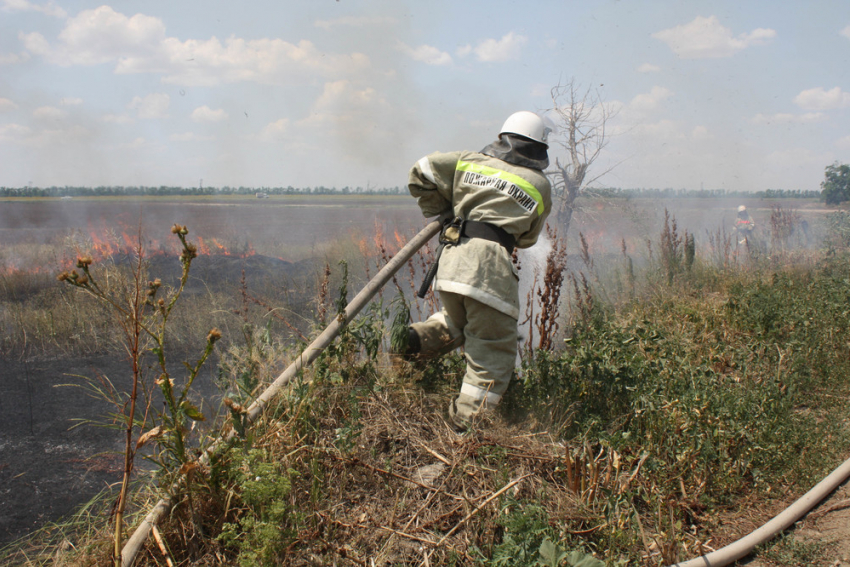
(744, 225)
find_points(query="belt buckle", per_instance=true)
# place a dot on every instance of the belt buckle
(452, 232)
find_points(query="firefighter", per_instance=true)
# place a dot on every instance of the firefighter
(744, 225)
(491, 202)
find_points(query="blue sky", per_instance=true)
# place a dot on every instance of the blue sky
(733, 95)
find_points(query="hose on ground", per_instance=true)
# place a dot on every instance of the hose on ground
(745, 545)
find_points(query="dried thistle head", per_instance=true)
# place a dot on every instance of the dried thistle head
(178, 229)
(233, 406)
(189, 251)
(213, 335)
(63, 276)
(84, 262)
(153, 287)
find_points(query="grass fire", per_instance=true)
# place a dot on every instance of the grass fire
(674, 387)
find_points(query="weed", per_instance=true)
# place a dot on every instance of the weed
(789, 550)
(263, 528)
(142, 314)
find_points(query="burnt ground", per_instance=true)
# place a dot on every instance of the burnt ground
(48, 468)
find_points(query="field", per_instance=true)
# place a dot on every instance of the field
(274, 251)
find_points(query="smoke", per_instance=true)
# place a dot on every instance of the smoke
(532, 263)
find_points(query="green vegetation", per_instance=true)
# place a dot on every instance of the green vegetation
(676, 390)
(836, 184)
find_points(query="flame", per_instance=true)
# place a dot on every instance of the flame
(399, 239)
(101, 242)
(203, 249)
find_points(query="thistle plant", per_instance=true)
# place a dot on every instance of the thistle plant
(142, 311)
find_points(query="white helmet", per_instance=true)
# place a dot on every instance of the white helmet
(529, 125)
(742, 208)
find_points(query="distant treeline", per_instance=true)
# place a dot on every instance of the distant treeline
(613, 192)
(163, 190)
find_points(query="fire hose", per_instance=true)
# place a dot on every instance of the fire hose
(781, 522)
(255, 410)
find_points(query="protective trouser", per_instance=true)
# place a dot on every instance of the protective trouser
(489, 338)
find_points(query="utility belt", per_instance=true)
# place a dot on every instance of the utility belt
(457, 228)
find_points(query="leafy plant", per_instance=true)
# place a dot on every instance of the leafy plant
(261, 531)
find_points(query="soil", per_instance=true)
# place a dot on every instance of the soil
(50, 465)
(48, 469)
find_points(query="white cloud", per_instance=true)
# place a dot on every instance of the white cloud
(72, 136)
(700, 133)
(540, 90)
(103, 35)
(798, 157)
(843, 143)
(787, 118)
(7, 105)
(49, 9)
(14, 58)
(846, 32)
(117, 119)
(35, 43)
(647, 102)
(207, 114)
(70, 101)
(427, 54)
(463, 50)
(706, 38)
(343, 99)
(190, 137)
(134, 145)
(499, 50)
(648, 68)
(355, 120)
(355, 22)
(48, 113)
(821, 99)
(139, 44)
(14, 133)
(152, 106)
(275, 131)
(663, 130)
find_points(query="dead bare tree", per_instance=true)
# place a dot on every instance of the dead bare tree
(581, 130)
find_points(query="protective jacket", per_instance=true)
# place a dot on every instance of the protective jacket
(745, 224)
(509, 191)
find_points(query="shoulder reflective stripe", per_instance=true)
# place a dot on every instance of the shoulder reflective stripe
(516, 180)
(425, 166)
(479, 394)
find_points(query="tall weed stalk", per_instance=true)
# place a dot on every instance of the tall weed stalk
(142, 311)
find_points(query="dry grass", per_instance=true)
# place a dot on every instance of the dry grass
(381, 479)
